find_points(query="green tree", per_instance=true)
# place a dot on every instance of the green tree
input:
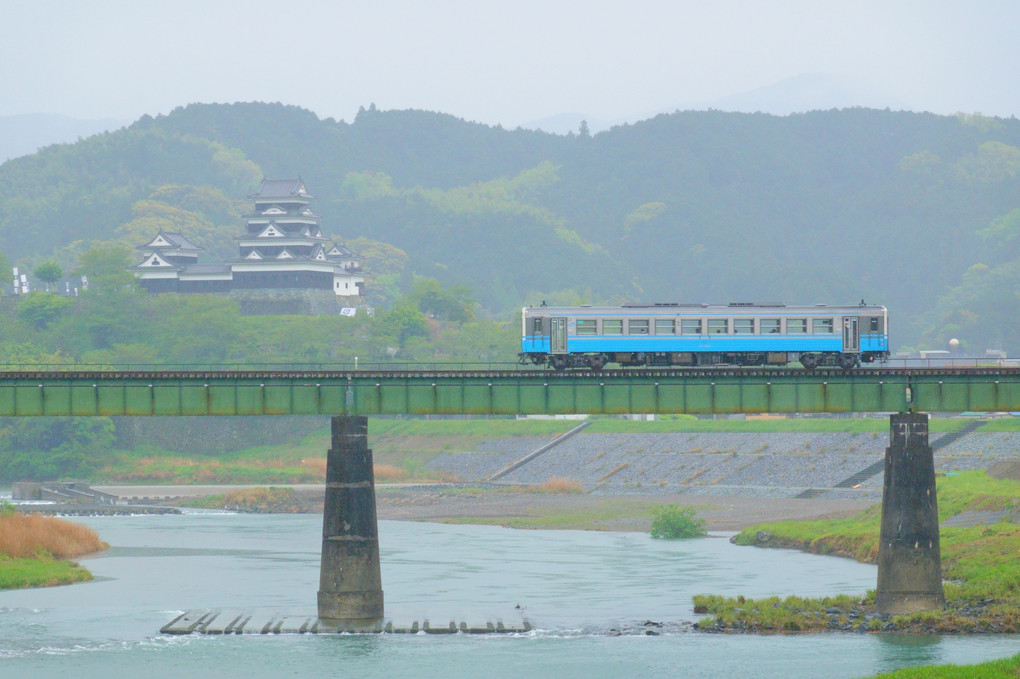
(5, 275)
(47, 448)
(205, 215)
(402, 323)
(446, 303)
(41, 308)
(642, 214)
(106, 267)
(48, 272)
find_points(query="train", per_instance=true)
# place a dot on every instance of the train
(679, 335)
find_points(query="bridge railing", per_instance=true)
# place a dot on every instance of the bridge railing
(323, 366)
(951, 362)
(958, 362)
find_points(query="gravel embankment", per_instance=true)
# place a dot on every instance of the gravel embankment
(749, 465)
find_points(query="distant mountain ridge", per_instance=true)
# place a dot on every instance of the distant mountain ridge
(798, 94)
(23, 134)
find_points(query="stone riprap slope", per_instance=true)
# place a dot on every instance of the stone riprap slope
(491, 456)
(765, 465)
(978, 451)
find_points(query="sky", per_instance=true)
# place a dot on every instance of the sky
(496, 61)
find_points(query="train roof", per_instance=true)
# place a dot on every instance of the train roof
(732, 309)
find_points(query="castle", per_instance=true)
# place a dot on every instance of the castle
(282, 248)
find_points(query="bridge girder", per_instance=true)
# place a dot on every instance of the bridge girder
(162, 393)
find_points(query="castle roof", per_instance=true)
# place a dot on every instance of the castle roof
(154, 262)
(165, 240)
(341, 251)
(274, 189)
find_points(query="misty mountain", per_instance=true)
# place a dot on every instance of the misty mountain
(24, 134)
(697, 206)
(809, 92)
(799, 94)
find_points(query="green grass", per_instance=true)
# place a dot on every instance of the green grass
(974, 490)
(41, 572)
(980, 563)
(1002, 424)
(159, 467)
(1006, 668)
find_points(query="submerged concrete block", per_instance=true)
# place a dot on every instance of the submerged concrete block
(909, 558)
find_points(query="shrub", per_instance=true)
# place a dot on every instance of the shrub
(676, 521)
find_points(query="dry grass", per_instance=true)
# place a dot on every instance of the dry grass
(389, 473)
(316, 464)
(559, 484)
(617, 468)
(26, 536)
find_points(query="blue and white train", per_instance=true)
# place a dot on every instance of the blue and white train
(704, 335)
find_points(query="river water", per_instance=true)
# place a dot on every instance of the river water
(575, 587)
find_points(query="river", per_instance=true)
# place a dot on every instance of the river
(575, 587)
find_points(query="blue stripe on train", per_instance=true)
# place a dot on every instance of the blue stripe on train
(699, 343)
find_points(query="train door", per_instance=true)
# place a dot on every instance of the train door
(851, 335)
(557, 335)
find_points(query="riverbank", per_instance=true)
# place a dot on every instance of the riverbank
(36, 551)
(512, 506)
(979, 538)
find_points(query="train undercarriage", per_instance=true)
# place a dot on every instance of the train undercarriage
(597, 361)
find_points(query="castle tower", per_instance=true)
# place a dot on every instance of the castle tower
(283, 246)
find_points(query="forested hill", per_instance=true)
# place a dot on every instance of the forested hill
(915, 211)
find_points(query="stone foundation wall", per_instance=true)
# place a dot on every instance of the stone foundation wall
(292, 302)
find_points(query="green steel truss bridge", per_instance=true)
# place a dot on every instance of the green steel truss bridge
(504, 392)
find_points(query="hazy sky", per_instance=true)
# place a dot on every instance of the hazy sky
(505, 62)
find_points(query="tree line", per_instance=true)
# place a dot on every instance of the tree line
(904, 209)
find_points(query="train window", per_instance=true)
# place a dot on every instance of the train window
(690, 326)
(796, 326)
(612, 326)
(743, 326)
(768, 326)
(717, 326)
(664, 326)
(585, 327)
(821, 326)
(536, 326)
(637, 326)
(874, 324)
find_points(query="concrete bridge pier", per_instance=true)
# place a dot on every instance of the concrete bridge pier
(350, 586)
(909, 560)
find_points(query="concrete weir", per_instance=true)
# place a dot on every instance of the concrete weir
(350, 586)
(909, 559)
(225, 621)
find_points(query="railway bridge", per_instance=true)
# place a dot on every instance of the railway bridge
(350, 595)
(504, 392)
